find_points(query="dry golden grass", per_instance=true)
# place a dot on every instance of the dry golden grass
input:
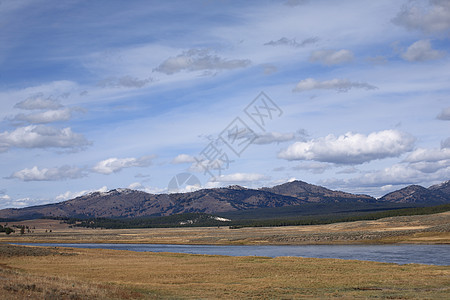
(20, 285)
(17, 284)
(411, 229)
(107, 273)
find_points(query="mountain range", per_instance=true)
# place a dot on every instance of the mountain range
(132, 203)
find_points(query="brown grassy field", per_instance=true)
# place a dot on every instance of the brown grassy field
(410, 229)
(110, 274)
(53, 273)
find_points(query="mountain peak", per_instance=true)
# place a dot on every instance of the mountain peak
(125, 203)
(236, 187)
(416, 194)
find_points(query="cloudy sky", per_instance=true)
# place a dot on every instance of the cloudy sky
(97, 95)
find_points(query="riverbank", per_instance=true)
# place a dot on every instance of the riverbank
(111, 274)
(421, 229)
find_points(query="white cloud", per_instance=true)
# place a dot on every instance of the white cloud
(70, 195)
(5, 198)
(397, 174)
(199, 60)
(44, 117)
(445, 114)
(18, 203)
(240, 177)
(38, 102)
(421, 51)
(51, 174)
(113, 165)
(340, 85)
(125, 82)
(435, 18)
(155, 190)
(183, 158)
(187, 188)
(393, 175)
(351, 148)
(331, 57)
(273, 137)
(292, 42)
(40, 136)
(136, 186)
(431, 167)
(428, 155)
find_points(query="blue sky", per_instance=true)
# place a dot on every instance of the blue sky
(97, 95)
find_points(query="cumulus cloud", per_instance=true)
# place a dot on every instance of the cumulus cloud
(124, 82)
(41, 136)
(284, 41)
(397, 174)
(340, 85)
(421, 165)
(38, 102)
(51, 174)
(428, 155)
(431, 167)
(8, 202)
(136, 186)
(183, 158)
(331, 57)
(394, 175)
(114, 165)
(351, 148)
(432, 18)
(421, 51)
(444, 114)
(199, 60)
(70, 195)
(240, 177)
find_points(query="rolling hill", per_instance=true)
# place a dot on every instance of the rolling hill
(128, 203)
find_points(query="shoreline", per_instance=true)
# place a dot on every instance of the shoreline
(419, 229)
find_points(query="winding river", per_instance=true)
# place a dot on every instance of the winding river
(400, 254)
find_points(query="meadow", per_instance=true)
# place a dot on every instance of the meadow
(66, 273)
(428, 229)
(109, 274)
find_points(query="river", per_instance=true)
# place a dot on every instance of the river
(400, 254)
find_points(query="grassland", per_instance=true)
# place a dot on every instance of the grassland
(64, 273)
(109, 274)
(407, 229)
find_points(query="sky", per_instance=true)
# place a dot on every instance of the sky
(165, 96)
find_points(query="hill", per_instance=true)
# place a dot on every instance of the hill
(437, 194)
(126, 203)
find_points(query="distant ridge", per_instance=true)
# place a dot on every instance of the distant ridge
(436, 194)
(131, 203)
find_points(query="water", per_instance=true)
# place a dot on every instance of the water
(400, 254)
